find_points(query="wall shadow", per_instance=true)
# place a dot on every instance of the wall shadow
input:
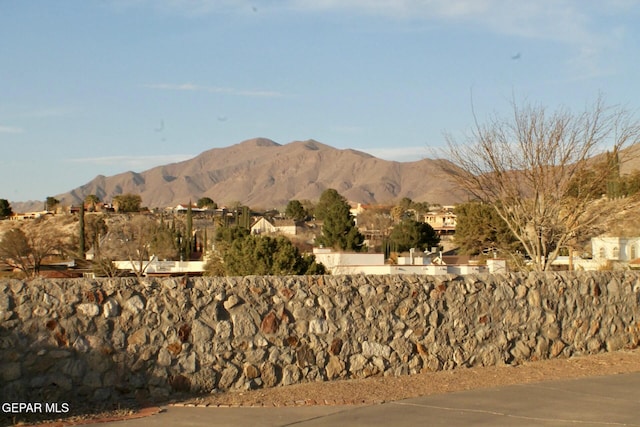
(46, 381)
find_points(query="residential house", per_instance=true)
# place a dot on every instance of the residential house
(622, 249)
(442, 221)
(28, 215)
(606, 253)
(285, 226)
(263, 226)
(615, 249)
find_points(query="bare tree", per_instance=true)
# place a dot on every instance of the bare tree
(131, 240)
(137, 239)
(527, 168)
(16, 252)
(26, 251)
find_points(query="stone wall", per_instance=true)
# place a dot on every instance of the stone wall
(101, 340)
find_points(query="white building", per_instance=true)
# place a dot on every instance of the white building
(332, 260)
(606, 253)
(622, 249)
(414, 263)
(162, 268)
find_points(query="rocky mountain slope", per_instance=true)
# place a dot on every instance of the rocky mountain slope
(262, 173)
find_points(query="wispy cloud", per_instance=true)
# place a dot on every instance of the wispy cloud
(10, 129)
(190, 87)
(187, 7)
(133, 162)
(576, 21)
(578, 24)
(562, 20)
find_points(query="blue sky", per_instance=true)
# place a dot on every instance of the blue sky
(106, 86)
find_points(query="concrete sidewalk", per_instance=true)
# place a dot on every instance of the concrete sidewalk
(597, 401)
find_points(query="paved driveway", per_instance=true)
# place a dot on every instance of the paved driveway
(598, 401)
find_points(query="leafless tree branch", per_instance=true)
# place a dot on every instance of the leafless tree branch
(531, 162)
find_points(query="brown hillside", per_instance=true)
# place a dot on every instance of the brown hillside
(262, 173)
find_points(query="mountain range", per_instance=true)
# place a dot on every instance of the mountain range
(264, 174)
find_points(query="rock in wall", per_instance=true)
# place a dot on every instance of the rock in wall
(118, 339)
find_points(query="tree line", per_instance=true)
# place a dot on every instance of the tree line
(136, 236)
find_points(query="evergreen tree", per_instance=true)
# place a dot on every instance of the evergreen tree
(265, 255)
(5, 208)
(229, 234)
(243, 217)
(189, 233)
(631, 183)
(338, 228)
(225, 236)
(295, 211)
(479, 228)
(614, 185)
(206, 202)
(81, 232)
(51, 203)
(413, 234)
(127, 202)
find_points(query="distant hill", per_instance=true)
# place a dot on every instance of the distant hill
(264, 174)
